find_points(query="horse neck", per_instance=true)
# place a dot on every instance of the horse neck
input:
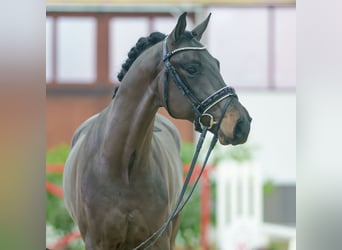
(129, 125)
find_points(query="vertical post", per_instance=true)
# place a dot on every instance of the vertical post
(205, 209)
(221, 203)
(271, 48)
(103, 49)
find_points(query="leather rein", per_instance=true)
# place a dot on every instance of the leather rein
(201, 109)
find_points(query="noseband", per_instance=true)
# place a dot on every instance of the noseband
(200, 108)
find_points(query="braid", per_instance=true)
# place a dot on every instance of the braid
(142, 44)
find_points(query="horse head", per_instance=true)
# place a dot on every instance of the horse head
(193, 88)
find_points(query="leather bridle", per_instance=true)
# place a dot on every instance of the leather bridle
(201, 109)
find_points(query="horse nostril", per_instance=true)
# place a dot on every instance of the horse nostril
(238, 130)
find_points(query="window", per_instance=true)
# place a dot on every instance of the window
(124, 33)
(240, 34)
(86, 49)
(71, 50)
(285, 47)
(76, 55)
(76, 50)
(258, 44)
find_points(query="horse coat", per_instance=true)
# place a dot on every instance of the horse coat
(165, 151)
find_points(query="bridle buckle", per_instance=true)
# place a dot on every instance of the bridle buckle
(212, 121)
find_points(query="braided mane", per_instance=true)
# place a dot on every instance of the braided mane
(142, 44)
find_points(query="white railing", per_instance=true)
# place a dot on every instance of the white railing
(239, 209)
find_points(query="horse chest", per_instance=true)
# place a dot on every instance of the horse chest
(124, 218)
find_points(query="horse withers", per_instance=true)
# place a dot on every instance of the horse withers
(124, 172)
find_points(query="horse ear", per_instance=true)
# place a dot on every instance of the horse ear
(179, 29)
(199, 29)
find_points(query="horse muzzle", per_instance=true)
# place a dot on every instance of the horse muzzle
(234, 129)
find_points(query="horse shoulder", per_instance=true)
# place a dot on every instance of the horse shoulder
(73, 171)
(83, 128)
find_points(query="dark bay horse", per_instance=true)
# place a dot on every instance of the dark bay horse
(124, 173)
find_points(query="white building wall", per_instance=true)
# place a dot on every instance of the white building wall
(273, 131)
(272, 138)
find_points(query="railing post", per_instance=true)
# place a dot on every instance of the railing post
(205, 209)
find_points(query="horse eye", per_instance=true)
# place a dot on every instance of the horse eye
(191, 70)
